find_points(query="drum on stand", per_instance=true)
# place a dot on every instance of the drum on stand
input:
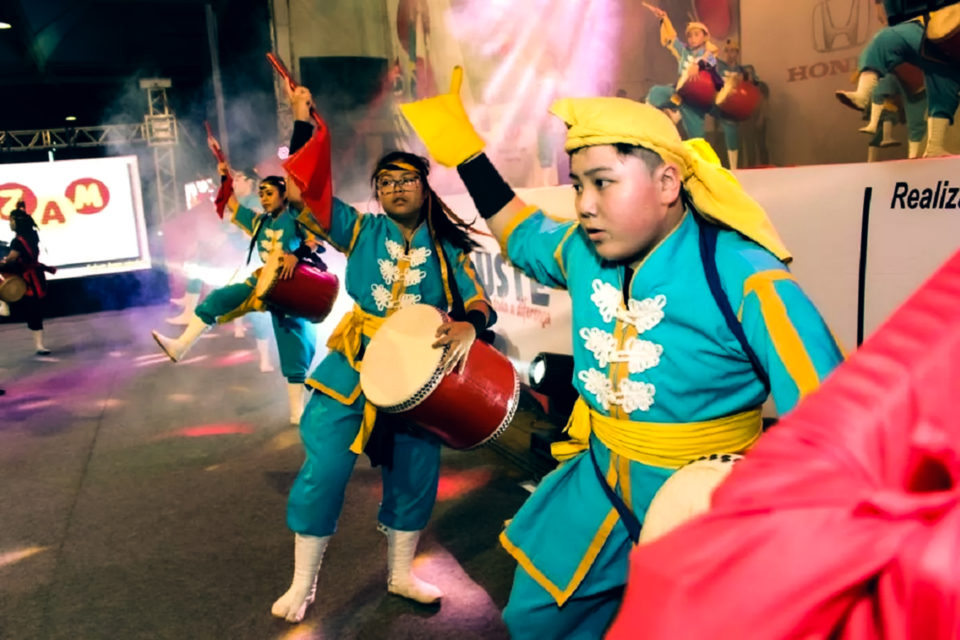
(400, 374)
(686, 494)
(12, 287)
(697, 87)
(738, 99)
(309, 293)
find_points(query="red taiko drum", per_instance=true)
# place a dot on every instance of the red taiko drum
(309, 293)
(696, 87)
(738, 99)
(400, 373)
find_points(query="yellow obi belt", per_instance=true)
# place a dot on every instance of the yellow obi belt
(659, 444)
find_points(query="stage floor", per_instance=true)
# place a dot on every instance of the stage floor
(145, 499)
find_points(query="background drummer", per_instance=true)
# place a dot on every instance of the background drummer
(662, 376)
(890, 47)
(275, 230)
(698, 51)
(733, 73)
(419, 252)
(23, 259)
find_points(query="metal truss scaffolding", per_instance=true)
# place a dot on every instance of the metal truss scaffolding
(159, 130)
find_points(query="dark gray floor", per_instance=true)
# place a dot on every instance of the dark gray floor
(143, 499)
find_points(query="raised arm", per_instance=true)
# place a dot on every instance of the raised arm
(530, 240)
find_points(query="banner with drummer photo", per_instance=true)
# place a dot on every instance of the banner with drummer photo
(89, 213)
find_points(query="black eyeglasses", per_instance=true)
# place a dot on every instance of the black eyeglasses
(404, 184)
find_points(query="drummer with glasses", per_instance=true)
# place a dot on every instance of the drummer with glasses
(416, 252)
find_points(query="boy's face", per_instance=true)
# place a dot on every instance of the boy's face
(696, 38)
(622, 208)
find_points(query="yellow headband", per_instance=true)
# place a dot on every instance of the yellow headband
(716, 194)
(400, 164)
(696, 25)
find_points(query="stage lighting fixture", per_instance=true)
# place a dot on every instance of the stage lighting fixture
(552, 373)
(5, 25)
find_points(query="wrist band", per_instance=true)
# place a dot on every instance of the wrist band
(485, 185)
(478, 319)
(302, 131)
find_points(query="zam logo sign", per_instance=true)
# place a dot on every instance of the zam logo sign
(942, 196)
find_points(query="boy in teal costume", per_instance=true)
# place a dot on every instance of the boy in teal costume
(662, 377)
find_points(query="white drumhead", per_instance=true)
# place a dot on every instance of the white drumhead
(686, 494)
(399, 360)
(268, 274)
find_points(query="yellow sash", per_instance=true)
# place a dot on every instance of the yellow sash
(346, 338)
(659, 444)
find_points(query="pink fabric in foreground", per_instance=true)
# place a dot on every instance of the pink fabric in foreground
(843, 522)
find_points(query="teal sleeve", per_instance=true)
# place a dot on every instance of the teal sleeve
(345, 223)
(790, 337)
(245, 218)
(538, 247)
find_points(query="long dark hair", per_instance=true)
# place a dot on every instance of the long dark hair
(444, 223)
(25, 227)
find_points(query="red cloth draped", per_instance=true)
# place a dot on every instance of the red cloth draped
(310, 169)
(223, 195)
(843, 521)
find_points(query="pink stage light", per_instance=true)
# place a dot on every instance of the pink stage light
(208, 430)
(456, 484)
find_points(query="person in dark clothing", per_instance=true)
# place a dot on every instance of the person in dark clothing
(24, 261)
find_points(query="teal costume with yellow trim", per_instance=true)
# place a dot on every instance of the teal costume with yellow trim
(662, 377)
(666, 357)
(296, 337)
(383, 274)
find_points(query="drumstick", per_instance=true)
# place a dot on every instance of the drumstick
(217, 151)
(285, 74)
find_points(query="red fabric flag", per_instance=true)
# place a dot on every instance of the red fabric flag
(223, 195)
(310, 169)
(844, 520)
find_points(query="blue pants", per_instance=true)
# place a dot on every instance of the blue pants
(731, 130)
(532, 614)
(914, 107)
(901, 43)
(327, 428)
(555, 529)
(296, 337)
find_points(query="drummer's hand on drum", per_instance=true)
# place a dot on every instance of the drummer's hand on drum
(460, 337)
(289, 262)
